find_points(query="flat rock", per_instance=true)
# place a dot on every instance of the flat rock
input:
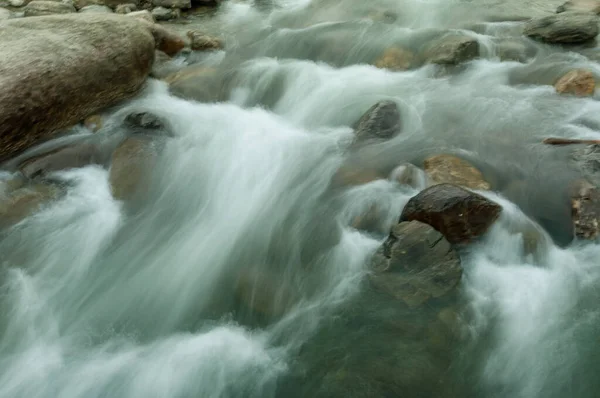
(380, 122)
(578, 82)
(416, 263)
(460, 215)
(451, 50)
(580, 5)
(564, 28)
(454, 170)
(42, 7)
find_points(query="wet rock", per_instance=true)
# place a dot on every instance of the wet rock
(371, 221)
(578, 82)
(451, 50)
(565, 28)
(514, 50)
(409, 174)
(127, 8)
(585, 210)
(454, 170)
(349, 175)
(17, 205)
(93, 123)
(396, 59)
(42, 7)
(78, 155)
(79, 4)
(96, 9)
(57, 70)
(143, 121)
(165, 14)
(4, 14)
(415, 264)
(143, 14)
(380, 122)
(17, 3)
(131, 167)
(264, 292)
(166, 41)
(592, 6)
(203, 42)
(172, 3)
(460, 215)
(196, 82)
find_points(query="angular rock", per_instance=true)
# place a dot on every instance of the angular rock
(73, 156)
(396, 59)
(454, 170)
(172, 3)
(21, 203)
(131, 167)
(564, 28)
(409, 174)
(380, 122)
(592, 6)
(165, 14)
(4, 14)
(451, 50)
(57, 70)
(578, 82)
(460, 215)
(96, 9)
(127, 8)
(202, 42)
(416, 263)
(42, 7)
(585, 210)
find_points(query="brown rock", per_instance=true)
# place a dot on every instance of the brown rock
(565, 28)
(42, 7)
(415, 264)
(203, 42)
(21, 203)
(460, 215)
(454, 170)
(592, 6)
(131, 167)
(585, 210)
(370, 221)
(57, 70)
(396, 59)
(579, 82)
(380, 122)
(196, 82)
(451, 50)
(73, 156)
(93, 123)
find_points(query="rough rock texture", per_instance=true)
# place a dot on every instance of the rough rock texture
(172, 3)
(165, 14)
(57, 70)
(415, 264)
(96, 8)
(579, 82)
(451, 50)
(202, 42)
(460, 215)
(380, 122)
(566, 28)
(585, 210)
(131, 167)
(42, 7)
(396, 59)
(580, 5)
(454, 170)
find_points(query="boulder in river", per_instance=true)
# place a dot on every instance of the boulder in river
(396, 59)
(564, 28)
(131, 167)
(416, 263)
(196, 82)
(165, 14)
(460, 215)
(451, 49)
(454, 170)
(57, 70)
(578, 82)
(585, 210)
(380, 122)
(202, 42)
(45, 7)
(126, 9)
(580, 5)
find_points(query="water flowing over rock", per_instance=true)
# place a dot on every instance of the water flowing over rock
(380, 122)
(196, 82)
(38, 8)
(165, 14)
(580, 5)
(172, 3)
(409, 174)
(396, 59)
(451, 50)
(565, 28)
(460, 215)
(585, 206)
(454, 170)
(577, 82)
(131, 167)
(416, 263)
(18, 204)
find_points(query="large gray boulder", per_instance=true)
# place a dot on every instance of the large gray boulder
(564, 28)
(57, 70)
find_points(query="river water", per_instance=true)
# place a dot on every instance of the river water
(107, 299)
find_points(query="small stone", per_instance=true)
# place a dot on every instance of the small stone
(451, 50)
(144, 121)
(460, 215)
(165, 14)
(578, 82)
(43, 7)
(203, 42)
(454, 170)
(396, 59)
(96, 9)
(580, 5)
(380, 122)
(126, 8)
(564, 28)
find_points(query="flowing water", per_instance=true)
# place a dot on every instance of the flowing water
(165, 297)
